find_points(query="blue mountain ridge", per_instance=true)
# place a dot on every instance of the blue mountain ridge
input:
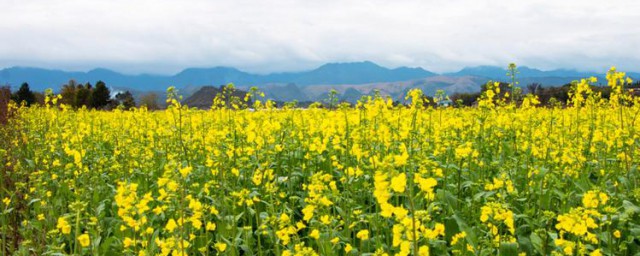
(351, 73)
(499, 73)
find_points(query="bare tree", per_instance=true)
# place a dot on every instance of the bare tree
(533, 88)
(5, 97)
(150, 100)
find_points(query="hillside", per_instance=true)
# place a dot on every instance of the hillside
(397, 90)
(203, 98)
(352, 80)
(332, 73)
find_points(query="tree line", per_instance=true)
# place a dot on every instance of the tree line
(548, 96)
(78, 95)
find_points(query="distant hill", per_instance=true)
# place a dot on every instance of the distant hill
(527, 75)
(397, 90)
(203, 98)
(494, 72)
(40, 79)
(352, 80)
(283, 92)
(332, 73)
(349, 73)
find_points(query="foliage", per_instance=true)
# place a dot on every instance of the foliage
(77, 95)
(124, 100)
(24, 94)
(100, 96)
(68, 93)
(150, 101)
(375, 179)
(5, 98)
(83, 96)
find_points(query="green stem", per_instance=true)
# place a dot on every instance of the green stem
(75, 239)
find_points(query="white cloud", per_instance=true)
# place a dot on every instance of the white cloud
(281, 35)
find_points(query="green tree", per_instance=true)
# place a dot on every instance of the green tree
(24, 94)
(101, 96)
(465, 99)
(125, 100)
(83, 96)
(68, 93)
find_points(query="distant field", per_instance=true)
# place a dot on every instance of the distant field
(373, 179)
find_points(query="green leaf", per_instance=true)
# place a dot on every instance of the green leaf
(536, 241)
(471, 236)
(509, 249)
(525, 245)
(33, 201)
(239, 216)
(447, 198)
(629, 206)
(100, 208)
(450, 228)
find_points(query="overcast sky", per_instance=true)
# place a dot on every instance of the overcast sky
(157, 36)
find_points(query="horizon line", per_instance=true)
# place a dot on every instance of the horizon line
(300, 71)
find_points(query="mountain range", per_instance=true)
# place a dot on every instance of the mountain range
(351, 79)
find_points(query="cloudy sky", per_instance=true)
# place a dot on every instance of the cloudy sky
(157, 36)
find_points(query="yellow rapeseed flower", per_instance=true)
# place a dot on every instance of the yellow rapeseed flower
(399, 183)
(315, 234)
(363, 234)
(171, 225)
(63, 225)
(348, 248)
(84, 240)
(221, 247)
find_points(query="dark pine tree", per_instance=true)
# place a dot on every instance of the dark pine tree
(83, 93)
(126, 100)
(24, 94)
(101, 96)
(88, 101)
